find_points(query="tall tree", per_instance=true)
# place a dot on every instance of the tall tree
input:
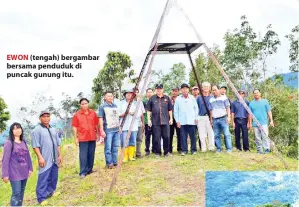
(206, 69)
(294, 49)
(4, 115)
(111, 77)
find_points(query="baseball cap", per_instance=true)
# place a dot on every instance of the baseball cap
(159, 85)
(44, 112)
(128, 91)
(223, 86)
(185, 85)
(195, 87)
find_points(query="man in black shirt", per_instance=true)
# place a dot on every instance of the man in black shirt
(159, 113)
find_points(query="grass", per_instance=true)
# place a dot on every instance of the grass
(155, 181)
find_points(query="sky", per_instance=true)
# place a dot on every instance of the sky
(96, 27)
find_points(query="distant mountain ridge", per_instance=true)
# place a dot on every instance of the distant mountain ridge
(290, 79)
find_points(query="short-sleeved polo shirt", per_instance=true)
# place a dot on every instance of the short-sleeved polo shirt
(47, 140)
(110, 114)
(239, 110)
(260, 110)
(160, 107)
(86, 125)
(218, 106)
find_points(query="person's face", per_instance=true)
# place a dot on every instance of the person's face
(129, 95)
(149, 93)
(45, 119)
(109, 97)
(185, 90)
(175, 92)
(195, 92)
(206, 89)
(17, 131)
(242, 94)
(159, 91)
(256, 94)
(84, 105)
(215, 91)
(222, 91)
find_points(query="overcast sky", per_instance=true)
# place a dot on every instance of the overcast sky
(96, 27)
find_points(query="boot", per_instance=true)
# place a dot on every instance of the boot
(131, 153)
(126, 155)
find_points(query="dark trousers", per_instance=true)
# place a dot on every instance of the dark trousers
(46, 183)
(86, 156)
(185, 131)
(178, 134)
(158, 132)
(18, 189)
(241, 125)
(148, 134)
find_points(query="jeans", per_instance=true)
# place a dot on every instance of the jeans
(86, 155)
(139, 141)
(46, 183)
(111, 148)
(261, 139)
(185, 131)
(18, 189)
(206, 133)
(132, 140)
(148, 134)
(158, 132)
(241, 125)
(178, 134)
(220, 125)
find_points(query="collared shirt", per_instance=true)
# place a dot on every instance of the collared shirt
(123, 108)
(47, 140)
(260, 110)
(202, 111)
(86, 125)
(218, 106)
(110, 114)
(239, 110)
(160, 107)
(185, 110)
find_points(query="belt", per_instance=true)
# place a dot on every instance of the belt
(220, 117)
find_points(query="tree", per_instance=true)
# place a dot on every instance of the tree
(111, 77)
(206, 69)
(4, 115)
(294, 49)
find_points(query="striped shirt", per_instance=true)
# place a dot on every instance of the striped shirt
(218, 106)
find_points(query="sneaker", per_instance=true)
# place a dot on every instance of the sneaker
(183, 153)
(82, 176)
(115, 165)
(193, 153)
(147, 153)
(138, 156)
(109, 166)
(158, 155)
(267, 151)
(218, 152)
(168, 155)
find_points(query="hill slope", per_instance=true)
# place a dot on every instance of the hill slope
(174, 180)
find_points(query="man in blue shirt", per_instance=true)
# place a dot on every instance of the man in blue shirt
(220, 119)
(109, 127)
(240, 122)
(261, 110)
(204, 126)
(186, 113)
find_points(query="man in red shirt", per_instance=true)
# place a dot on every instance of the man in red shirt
(85, 127)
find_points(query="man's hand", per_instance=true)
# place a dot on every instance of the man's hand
(271, 123)
(196, 122)
(77, 141)
(5, 179)
(178, 124)
(41, 162)
(170, 121)
(103, 134)
(149, 123)
(211, 122)
(30, 173)
(249, 126)
(143, 128)
(228, 120)
(59, 160)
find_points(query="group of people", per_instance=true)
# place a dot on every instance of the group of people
(158, 118)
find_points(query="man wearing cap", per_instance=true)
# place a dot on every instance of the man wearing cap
(195, 92)
(130, 148)
(223, 90)
(205, 129)
(240, 122)
(186, 115)
(174, 94)
(85, 129)
(46, 145)
(220, 118)
(148, 129)
(159, 113)
(109, 127)
(261, 109)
